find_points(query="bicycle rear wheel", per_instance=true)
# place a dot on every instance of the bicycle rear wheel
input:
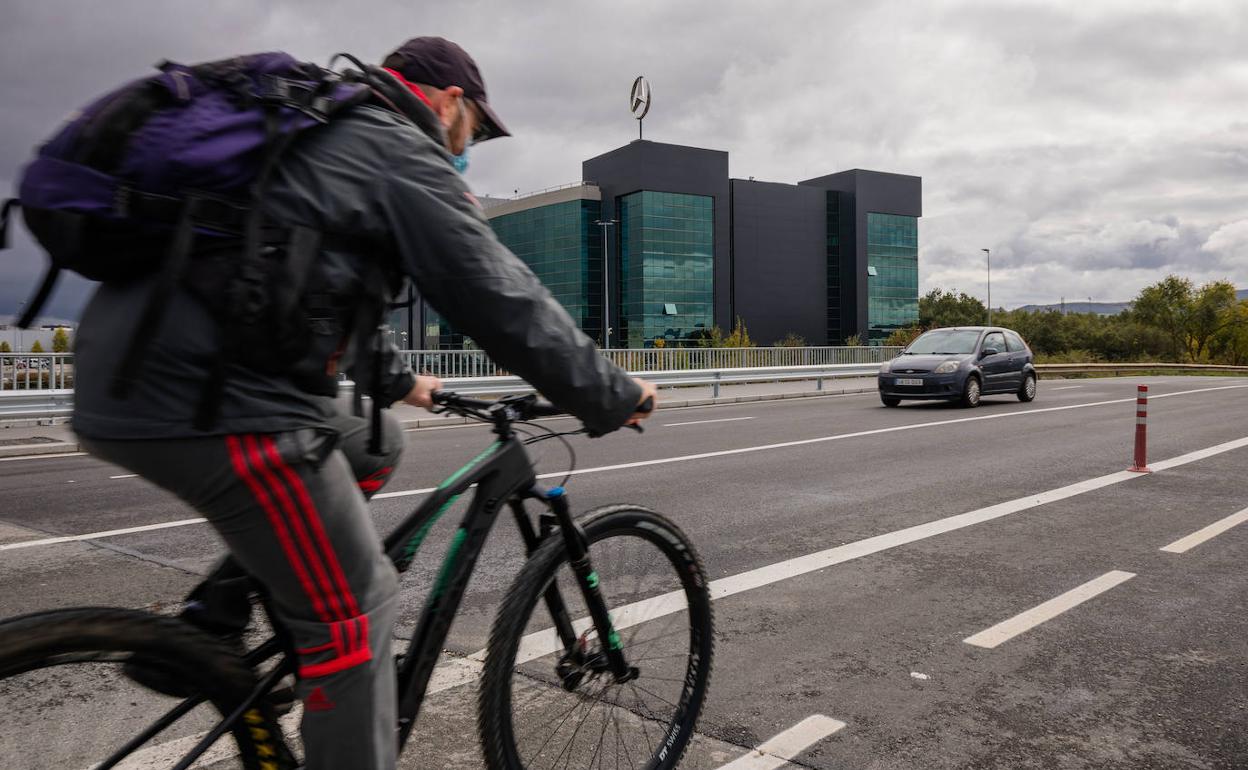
(65, 703)
(543, 706)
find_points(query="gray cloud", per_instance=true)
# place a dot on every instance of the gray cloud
(1093, 146)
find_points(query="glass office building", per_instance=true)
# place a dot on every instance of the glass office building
(563, 247)
(892, 275)
(688, 248)
(666, 264)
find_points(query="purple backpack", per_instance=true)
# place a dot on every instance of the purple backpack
(165, 165)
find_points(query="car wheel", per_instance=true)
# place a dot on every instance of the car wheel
(890, 401)
(971, 393)
(1028, 391)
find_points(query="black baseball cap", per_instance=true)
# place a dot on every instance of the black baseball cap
(438, 62)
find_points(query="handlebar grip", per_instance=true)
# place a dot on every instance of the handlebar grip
(647, 406)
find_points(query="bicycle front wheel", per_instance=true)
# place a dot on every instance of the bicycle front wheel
(65, 701)
(545, 703)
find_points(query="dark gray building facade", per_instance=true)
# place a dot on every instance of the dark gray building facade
(684, 248)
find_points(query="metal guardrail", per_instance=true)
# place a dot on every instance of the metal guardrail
(36, 404)
(53, 371)
(1115, 369)
(714, 378)
(475, 363)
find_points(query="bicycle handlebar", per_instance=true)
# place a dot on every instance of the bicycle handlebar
(525, 407)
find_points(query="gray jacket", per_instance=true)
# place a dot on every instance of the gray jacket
(383, 175)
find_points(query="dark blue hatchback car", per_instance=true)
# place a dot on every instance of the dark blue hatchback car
(960, 364)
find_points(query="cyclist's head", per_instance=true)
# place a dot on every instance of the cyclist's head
(451, 80)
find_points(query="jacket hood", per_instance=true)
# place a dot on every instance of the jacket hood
(395, 96)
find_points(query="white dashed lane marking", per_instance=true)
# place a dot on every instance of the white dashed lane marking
(781, 749)
(1025, 621)
(1185, 544)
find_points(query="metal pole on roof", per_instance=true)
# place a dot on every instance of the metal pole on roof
(606, 282)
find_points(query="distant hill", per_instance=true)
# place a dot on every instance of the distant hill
(1100, 308)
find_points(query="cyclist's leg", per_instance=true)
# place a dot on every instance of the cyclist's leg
(222, 602)
(371, 471)
(295, 520)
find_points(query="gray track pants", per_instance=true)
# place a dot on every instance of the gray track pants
(291, 507)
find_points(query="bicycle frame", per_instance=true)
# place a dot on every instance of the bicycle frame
(503, 473)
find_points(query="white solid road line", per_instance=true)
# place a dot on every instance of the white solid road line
(541, 643)
(1025, 621)
(704, 422)
(125, 476)
(97, 535)
(781, 749)
(1065, 387)
(678, 459)
(1183, 545)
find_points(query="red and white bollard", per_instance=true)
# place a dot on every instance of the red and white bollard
(1141, 431)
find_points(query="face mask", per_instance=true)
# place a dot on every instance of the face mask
(460, 161)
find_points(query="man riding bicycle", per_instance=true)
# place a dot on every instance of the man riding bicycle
(282, 475)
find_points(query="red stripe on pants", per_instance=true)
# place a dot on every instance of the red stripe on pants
(303, 540)
(314, 522)
(279, 527)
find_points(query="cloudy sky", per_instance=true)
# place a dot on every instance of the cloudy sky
(1093, 145)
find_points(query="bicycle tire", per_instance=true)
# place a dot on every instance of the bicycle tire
(495, 717)
(90, 635)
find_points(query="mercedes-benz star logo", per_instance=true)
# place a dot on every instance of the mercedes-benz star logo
(639, 99)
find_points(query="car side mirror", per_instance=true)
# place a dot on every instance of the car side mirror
(988, 352)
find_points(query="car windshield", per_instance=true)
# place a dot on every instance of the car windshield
(944, 342)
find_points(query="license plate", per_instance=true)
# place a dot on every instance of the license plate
(909, 381)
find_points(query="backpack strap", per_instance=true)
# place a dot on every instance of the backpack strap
(6, 211)
(37, 300)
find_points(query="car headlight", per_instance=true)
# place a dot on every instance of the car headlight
(948, 367)
(886, 367)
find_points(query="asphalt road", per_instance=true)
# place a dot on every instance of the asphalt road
(921, 527)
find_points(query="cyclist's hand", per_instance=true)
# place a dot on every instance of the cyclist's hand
(648, 391)
(421, 393)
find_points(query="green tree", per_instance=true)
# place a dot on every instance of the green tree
(853, 341)
(36, 348)
(939, 308)
(1230, 344)
(4, 347)
(60, 341)
(790, 340)
(1190, 318)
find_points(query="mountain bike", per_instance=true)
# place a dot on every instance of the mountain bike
(599, 654)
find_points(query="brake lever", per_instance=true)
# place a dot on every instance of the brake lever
(637, 428)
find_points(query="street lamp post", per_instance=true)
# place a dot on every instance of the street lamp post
(606, 282)
(989, 258)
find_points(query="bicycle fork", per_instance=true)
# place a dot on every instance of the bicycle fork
(587, 580)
